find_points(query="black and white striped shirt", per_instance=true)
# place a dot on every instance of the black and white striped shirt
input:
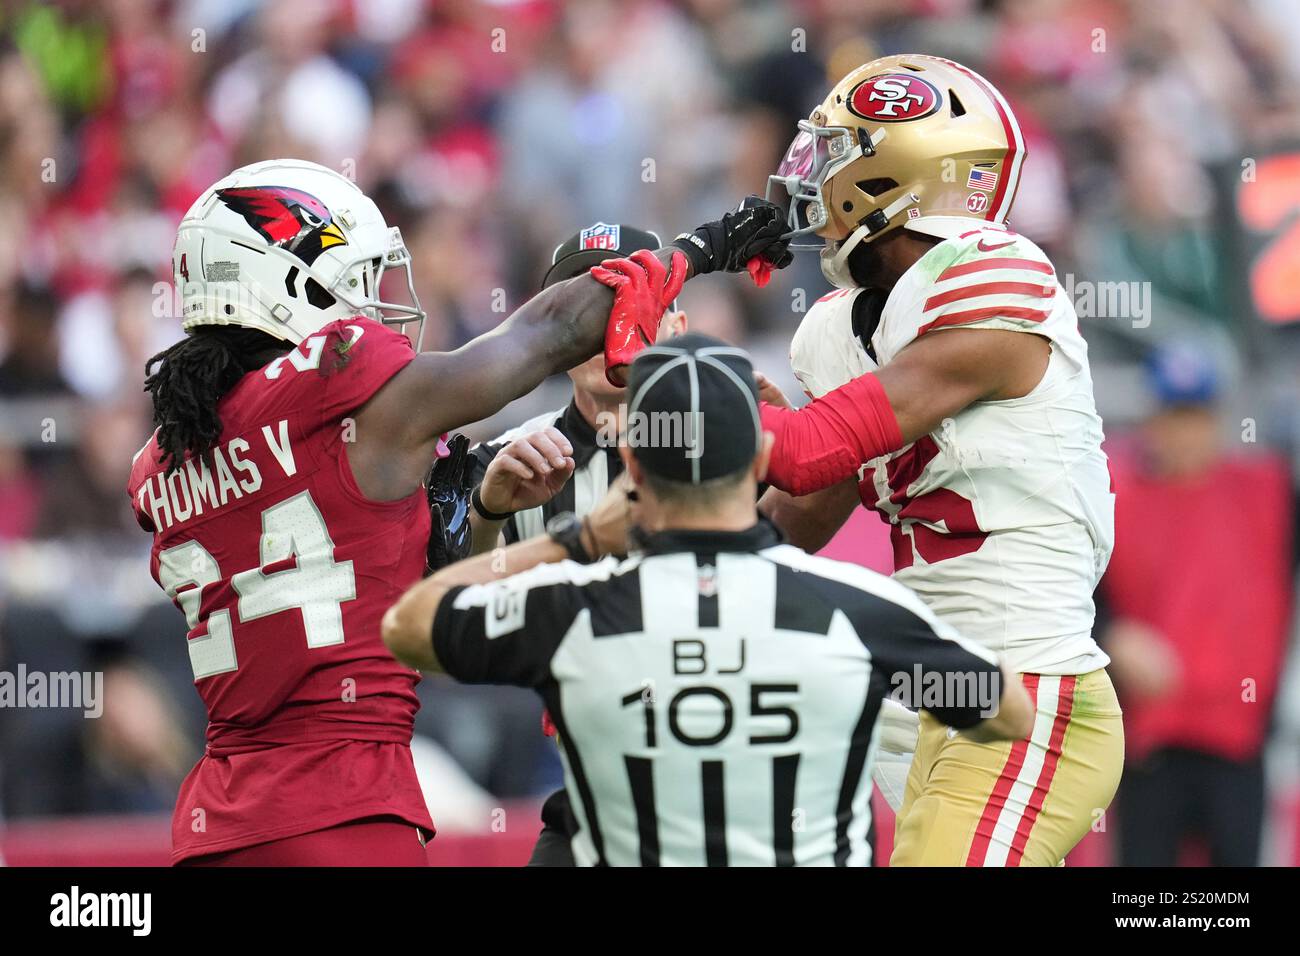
(716, 694)
(595, 466)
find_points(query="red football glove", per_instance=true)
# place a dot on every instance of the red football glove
(760, 270)
(643, 291)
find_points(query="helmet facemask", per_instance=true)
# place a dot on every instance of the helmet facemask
(364, 274)
(815, 155)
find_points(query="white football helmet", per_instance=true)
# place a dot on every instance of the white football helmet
(285, 247)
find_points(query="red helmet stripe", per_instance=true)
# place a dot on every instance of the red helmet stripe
(1015, 148)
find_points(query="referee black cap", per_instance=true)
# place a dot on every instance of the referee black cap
(693, 409)
(592, 246)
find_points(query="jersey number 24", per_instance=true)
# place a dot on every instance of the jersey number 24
(314, 584)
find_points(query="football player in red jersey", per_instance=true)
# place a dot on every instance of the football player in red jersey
(283, 491)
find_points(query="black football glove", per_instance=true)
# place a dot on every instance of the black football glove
(752, 229)
(449, 486)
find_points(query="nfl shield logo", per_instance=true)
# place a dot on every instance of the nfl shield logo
(708, 581)
(599, 236)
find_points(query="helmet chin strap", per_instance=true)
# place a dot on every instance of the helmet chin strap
(835, 267)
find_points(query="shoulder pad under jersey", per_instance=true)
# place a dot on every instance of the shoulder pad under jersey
(986, 278)
(825, 353)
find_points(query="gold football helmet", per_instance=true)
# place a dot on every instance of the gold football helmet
(912, 141)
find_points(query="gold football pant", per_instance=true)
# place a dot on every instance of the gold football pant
(1014, 803)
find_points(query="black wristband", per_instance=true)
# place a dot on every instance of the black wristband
(697, 250)
(476, 501)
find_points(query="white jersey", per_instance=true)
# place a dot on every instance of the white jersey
(1002, 519)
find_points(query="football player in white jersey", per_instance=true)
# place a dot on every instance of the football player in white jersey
(951, 392)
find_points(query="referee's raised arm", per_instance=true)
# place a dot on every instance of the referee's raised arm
(408, 625)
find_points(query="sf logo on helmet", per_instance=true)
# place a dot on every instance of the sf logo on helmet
(294, 220)
(893, 97)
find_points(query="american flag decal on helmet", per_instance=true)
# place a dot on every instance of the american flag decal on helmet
(985, 179)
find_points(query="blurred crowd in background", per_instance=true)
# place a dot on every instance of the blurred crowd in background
(489, 132)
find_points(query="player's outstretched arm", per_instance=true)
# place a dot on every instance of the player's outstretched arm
(808, 522)
(933, 378)
(563, 326)
(555, 330)
(942, 373)
(438, 392)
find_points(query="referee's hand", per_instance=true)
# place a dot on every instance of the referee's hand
(770, 392)
(528, 472)
(606, 527)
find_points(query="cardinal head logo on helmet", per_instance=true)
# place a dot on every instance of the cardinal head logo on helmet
(286, 246)
(294, 220)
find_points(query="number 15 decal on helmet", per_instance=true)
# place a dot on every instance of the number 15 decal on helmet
(286, 247)
(903, 141)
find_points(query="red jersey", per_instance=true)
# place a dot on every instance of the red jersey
(283, 569)
(1206, 561)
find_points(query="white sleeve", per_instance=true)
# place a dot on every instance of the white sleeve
(995, 281)
(824, 353)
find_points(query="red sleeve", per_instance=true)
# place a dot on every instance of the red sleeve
(143, 467)
(358, 357)
(830, 438)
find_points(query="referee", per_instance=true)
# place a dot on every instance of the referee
(507, 502)
(717, 691)
(559, 461)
